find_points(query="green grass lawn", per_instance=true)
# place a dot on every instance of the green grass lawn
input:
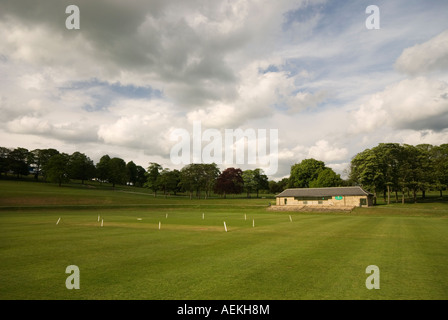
(316, 256)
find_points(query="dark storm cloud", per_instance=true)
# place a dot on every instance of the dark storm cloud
(140, 37)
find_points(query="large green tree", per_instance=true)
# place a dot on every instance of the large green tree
(428, 174)
(117, 171)
(304, 172)
(19, 159)
(131, 173)
(439, 156)
(40, 159)
(4, 160)
(390, 167)
(191, 178)
(209, 175)
(326, 178)
(379, 169)
(254, 181)
(249, 181)
(141, 176)
(278, 186)
(169, 181)
(390, 155)
(366, 170)
(197, 177)
(57, 168)
(261, 180)
(413, 169)
(81, 167)
(102, 168)
(152, 177)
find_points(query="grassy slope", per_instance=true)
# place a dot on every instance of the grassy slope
(28, 194)
(317, 256)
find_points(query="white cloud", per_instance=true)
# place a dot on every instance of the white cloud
(66, 131)
(325, 152)
(339, 168)
(304, 100)
(259, 95)
(370, 115)
(27, 125)
(140, 125)
(418, 103)
(414, 137)
(426, 57)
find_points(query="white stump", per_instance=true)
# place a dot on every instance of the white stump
(225, 227)
(58, 221)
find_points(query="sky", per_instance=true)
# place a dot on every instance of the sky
(136, 71)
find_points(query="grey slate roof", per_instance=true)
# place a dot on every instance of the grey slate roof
(324, 192)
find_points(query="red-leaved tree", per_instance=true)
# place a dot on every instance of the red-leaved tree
(230, 181)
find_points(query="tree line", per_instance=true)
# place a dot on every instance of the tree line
(196, 179)
(400, 170)
(392, 168)
(385, 170)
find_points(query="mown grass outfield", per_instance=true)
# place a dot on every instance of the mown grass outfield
(316, 256)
